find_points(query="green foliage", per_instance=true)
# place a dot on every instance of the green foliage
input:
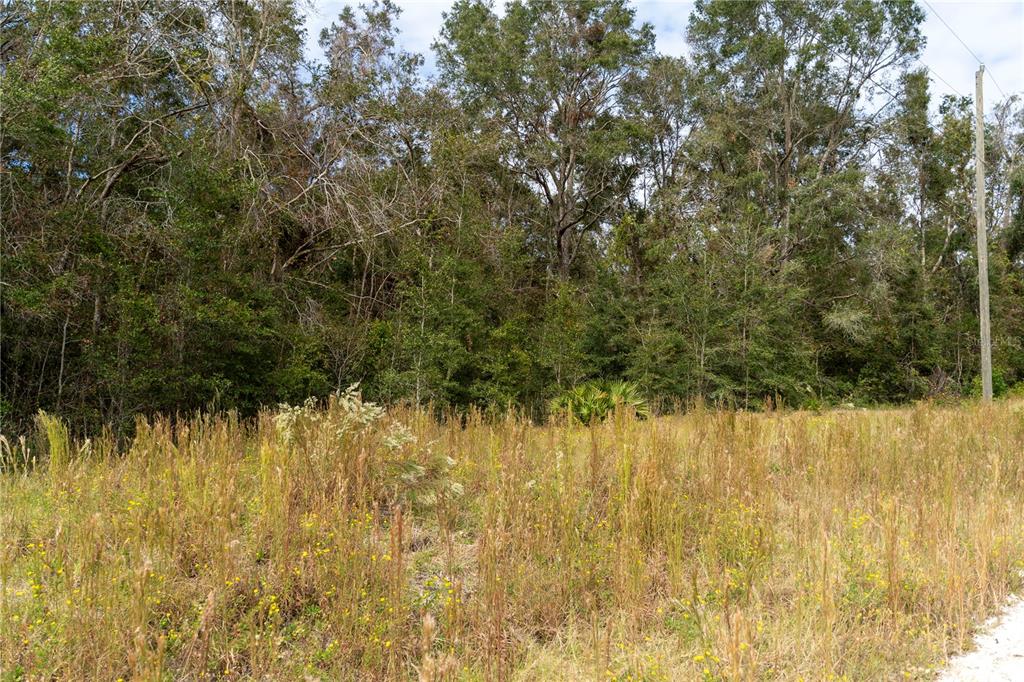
(196, 216)
(596, 400)
(1000, 387)
(547, 77)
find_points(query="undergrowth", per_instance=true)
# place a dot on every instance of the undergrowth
(342, 541)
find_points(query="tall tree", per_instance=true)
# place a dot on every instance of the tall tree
(548, 76)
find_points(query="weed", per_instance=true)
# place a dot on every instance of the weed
(342, 541)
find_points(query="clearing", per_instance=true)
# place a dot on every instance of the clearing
(349, 542)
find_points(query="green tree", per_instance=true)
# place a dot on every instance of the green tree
(548, 77)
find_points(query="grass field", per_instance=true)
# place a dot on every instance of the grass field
(352, 543)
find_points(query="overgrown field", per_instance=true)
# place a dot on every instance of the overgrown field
(352, 543)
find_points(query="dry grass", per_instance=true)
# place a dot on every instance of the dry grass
(334, 545)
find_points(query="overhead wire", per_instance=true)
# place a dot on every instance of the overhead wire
(939, 76)
(966, 47)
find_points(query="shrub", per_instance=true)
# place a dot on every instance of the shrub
(1000, 386)
(595, 400)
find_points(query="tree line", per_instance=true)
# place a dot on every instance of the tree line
(197, 213)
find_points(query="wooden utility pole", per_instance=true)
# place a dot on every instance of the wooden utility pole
(979, 203)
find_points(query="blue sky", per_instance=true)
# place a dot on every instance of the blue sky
(993, 29)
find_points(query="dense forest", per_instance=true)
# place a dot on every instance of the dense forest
(197, 213)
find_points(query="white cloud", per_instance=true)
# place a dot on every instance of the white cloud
(669, 20)
(993, 30)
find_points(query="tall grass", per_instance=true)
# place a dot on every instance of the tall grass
(350, 543)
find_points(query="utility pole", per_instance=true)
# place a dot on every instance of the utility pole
(979, 202)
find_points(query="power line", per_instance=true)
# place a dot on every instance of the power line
(939, 17)
(937, 75)
(966, 47)
(995, 83)
(896, 97)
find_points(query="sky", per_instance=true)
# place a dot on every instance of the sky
(992, 29)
